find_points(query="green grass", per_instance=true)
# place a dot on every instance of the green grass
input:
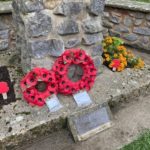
(142, 143)
(147, 1)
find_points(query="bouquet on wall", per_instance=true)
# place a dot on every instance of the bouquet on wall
(117, 57)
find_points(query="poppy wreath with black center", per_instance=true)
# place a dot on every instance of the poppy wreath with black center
(38, 85)
(61, 67)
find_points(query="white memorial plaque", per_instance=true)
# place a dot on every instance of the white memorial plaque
(53, 103)
(90, 121)
(82, 99)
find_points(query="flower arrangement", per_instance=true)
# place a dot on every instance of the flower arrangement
(62, 64)
(117, 57)
(40, 83)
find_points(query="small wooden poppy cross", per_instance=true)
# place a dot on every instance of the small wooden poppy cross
(4, 88)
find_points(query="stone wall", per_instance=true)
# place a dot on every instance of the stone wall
(6, 34)
(131, 22)
(45, 28)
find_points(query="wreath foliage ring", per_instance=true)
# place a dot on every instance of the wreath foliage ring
(30, 82)
(61, 68)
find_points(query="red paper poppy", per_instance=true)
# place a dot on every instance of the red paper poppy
(61, 67)
(116, 63)
(38, 85)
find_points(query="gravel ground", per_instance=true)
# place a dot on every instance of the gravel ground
(128, 124)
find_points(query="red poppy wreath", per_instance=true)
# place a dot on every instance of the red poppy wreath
(38, 85)
(61, 67)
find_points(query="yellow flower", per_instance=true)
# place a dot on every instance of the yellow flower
(125, 63)
(120, 55)
(115, 55)
(140, 64)
(122, 59)
(130, 54)
(108, 59)
(122, 65)
(108, 40)
(125, 53)
(106, 55)
(121, 48)
(105, 50)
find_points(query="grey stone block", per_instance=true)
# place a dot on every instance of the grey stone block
(107, 23)
(145, 39)
(16, 4)
(130, 37)
(138, 15)
(38, 24)
(148, 23)
(148, 17)
(41, 48)
(69, 26)
(115, 19)
(128, 21)
(105, 30)
(38, 48)
(4, 34)
(69, 8)
(3, 26)
(28, 6)
(121, 28)
(56, 47)
(106, 15)
(138, 22)
(142, 30)
(17, 20)
(74, 8)
(4, 44)
(113, 33)
(97, 7)
(92, 25)
(60, 10)
(90, 39)
(45, 62)
(72, 43)
(149, 47)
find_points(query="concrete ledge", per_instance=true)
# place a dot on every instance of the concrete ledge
(5, 7)
(21, 123)
(130, 5)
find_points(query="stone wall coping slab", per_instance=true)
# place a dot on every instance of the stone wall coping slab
(130, 5)
(5, 7)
